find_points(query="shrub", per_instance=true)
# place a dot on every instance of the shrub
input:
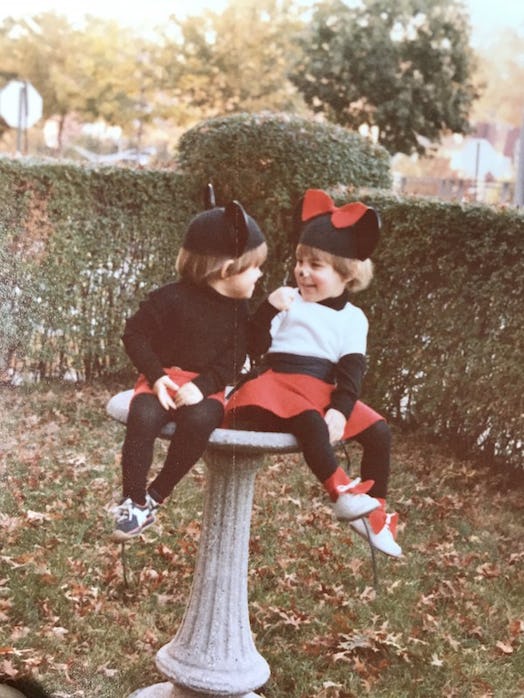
(80, 247)
(268, 160)
(445, 344)
(94, 240)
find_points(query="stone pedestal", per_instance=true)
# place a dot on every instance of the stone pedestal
(168, 690)
(213, 652)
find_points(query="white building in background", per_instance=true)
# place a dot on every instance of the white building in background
(478, 159)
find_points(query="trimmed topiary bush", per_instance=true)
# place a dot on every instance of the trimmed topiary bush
(268, 160)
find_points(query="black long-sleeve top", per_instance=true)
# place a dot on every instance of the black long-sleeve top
(192, 327)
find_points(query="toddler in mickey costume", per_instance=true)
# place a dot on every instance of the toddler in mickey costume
(312, 341)
(188, 342)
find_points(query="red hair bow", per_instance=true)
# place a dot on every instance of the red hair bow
(317, 202)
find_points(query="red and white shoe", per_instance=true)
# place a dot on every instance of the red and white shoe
(353, 502)
(380, 529)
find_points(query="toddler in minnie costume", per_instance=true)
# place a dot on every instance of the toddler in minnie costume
(312, 341)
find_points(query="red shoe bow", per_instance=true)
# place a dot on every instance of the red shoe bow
(379, 518)
(317, 202)
(356, 486)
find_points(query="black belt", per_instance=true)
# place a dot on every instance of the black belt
(307, 365)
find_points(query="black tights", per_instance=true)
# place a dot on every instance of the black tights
(311, 432)
(194, 424)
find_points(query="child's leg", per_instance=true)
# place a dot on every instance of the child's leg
(145, 420)
(309, 428)
(312, 433)
(379, 527)
(350, 496)
(194, 424)
(376, 456)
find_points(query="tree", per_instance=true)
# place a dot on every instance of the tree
(234, 61)
(101, 71)
(401, 66)
(501, 72)
(41, 50)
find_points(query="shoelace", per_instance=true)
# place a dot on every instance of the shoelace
(356, 487)
(151, 503)
(123, 511)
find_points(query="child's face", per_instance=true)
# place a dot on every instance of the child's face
(243, 284)
(317, 279)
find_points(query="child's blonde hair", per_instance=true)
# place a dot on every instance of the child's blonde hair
(358, 272)
(202, 268)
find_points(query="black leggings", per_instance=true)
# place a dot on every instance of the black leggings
(311, 432)
(194, 424)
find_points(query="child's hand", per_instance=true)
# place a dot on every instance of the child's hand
(282, 297)
(160, 388)
(336, 423)
(188, 394)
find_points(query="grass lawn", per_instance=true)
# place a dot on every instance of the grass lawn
(446, 620)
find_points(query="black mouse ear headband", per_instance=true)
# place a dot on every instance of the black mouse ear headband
(350, 231)
(238, 226)
(235, 216)
(222, 231)
(209, 197)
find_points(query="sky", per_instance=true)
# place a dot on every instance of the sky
(486, 15)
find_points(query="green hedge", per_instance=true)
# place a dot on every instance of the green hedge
(268, 160)
(446, 334)
(80, 248)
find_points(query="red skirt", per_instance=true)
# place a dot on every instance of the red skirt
(179, 376)
(289, 394)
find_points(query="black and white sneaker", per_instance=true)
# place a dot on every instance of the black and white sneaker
(132, 519)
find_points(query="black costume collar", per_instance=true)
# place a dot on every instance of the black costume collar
(336, 303)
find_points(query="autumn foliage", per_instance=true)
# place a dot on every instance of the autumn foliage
(446, 620)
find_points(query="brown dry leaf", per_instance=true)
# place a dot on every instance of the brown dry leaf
(516, 627)
(488, 570)
(8, 669)
(360, 667)
(369, 594)
(37, 517)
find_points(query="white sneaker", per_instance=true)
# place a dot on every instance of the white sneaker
(380, 529)
(352, 503)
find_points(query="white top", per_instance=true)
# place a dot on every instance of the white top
(313, 329)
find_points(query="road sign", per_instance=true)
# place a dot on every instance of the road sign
(20, 104)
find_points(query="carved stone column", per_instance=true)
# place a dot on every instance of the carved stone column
(213, 652)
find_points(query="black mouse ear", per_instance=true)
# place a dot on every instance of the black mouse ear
(297, 223)
(209, 197)
(366, 232)
(237, 218)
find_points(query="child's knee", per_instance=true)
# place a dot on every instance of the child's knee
(205, 416)
(376, 439)
(146, 414)
(381, 433)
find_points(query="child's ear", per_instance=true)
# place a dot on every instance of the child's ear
(224, 269)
